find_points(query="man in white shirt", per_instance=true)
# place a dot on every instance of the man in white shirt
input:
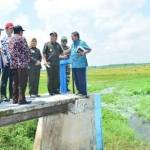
(0, 49)
(0, 53)
(6, 59)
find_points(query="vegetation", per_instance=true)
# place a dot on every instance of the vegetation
(125, 90)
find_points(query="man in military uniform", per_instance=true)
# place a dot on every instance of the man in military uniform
(66, 50)
(51, 52)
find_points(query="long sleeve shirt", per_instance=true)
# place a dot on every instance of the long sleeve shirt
(19, 51)
(6, 58)
(35, 55)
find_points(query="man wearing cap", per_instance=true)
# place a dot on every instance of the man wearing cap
(79, 49)
(6, 59)
(66, 50)
(20, 56)
(0, 50)
(0, 55)
(51, 53)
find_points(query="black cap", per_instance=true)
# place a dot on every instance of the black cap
(53, 33)
(18, 28)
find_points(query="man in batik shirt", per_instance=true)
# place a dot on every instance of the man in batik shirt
(20, 57)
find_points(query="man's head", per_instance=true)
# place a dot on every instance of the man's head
(64, 41)
(75, 36)
(9, 27)
(33, 42)
(18, 30)
(53, 37)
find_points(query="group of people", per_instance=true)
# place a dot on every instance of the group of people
(20, 63)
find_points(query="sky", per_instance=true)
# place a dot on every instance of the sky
(118, 31)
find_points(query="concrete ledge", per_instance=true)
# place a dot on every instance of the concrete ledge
(43, 106)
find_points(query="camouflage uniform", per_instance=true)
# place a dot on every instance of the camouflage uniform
(68, 70)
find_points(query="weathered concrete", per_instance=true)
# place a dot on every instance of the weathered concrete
(43, 106)
(68, 121)
(72, 131)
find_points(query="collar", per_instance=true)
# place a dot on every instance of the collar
(76, 42)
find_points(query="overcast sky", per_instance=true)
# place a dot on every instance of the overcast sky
(118, 31)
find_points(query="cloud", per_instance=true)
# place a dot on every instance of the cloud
(6, 10)
(116, 30)
(22, 19)
(8, 6)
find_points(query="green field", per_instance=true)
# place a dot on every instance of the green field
(125, 92)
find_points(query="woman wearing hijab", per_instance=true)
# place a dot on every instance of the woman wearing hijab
(34, 68)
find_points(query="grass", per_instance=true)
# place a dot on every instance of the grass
(143, 108)
(18, 137)
(123, 87)
(118, 135)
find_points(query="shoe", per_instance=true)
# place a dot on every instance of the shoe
(5, 99)
(51, 94)
(24, 102)
(57, 92)
(15, 101)
(38, 95)
(33, 96)
(85, 96)
(78, 93)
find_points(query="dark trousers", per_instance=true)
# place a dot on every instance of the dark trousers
(6, 75)
(68, 74)
(20, 77)
(34, 76)
(53, 79)
(80, 80)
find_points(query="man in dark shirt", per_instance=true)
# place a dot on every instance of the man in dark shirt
(34, 68)
(51, 52)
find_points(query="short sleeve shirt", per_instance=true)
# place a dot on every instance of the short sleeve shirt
(52, 52)
(77, 60)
